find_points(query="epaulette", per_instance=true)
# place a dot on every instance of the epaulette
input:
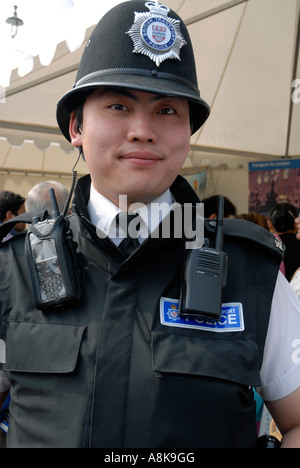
(26, 218)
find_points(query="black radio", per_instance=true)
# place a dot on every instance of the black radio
(52, 260)
(205, 276)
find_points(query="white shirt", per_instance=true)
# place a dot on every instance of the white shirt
(103, 214)
(295, 282)
(280, 372)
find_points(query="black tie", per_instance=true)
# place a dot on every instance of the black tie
(128, 244)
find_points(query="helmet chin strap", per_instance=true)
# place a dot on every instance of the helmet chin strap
(74, 180)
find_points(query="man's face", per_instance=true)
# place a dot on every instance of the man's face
(134, 143)
(19, 227)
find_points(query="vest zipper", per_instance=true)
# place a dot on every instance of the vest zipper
(105, 237)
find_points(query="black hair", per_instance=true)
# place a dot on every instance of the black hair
(283, 217)
(211, 206)
(78, 109)
(10, 201)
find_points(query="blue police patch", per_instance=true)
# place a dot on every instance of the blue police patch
(231, 320)
(158, 33)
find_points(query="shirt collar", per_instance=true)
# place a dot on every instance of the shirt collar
(103, 213)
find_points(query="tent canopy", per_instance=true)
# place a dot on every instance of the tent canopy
(247, 60)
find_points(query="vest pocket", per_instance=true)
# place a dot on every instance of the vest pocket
(233, 360)
(42, 347)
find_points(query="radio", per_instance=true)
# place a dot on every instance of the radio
(52, 260)
(205, 276)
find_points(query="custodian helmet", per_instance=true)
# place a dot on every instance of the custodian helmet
(138, 45)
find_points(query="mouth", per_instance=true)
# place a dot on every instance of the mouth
(141, 159)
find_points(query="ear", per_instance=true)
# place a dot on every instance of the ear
(9, 215)
(76, 138)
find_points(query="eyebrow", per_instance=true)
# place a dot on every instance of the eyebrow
(127, 93)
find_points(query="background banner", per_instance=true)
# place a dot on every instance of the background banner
(271, 182)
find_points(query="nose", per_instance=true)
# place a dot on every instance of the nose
(141, 128)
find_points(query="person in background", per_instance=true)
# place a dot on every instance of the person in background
(211, 205)
(38, 198)
(256, 218)
(11, 205)
(297, 222)
(295, 281)
(282, 224)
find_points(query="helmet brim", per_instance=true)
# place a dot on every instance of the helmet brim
(200, 110)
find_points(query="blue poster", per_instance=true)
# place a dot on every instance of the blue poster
(272, 182)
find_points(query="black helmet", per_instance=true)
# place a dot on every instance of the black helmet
(138, 45)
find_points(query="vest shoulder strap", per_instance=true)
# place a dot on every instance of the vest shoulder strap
(254, 233)
(5, 228)
(251, 232)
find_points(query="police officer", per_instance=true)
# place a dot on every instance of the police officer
(122, 367)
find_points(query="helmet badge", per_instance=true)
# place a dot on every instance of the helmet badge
(156, 35)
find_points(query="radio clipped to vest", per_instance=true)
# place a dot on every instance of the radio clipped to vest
(52, 260)
(205, 276)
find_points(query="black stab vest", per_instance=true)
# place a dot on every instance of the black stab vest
(107, 372)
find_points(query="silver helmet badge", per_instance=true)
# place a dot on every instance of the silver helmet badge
(156, 35)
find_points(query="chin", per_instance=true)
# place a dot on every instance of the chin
(142, 197)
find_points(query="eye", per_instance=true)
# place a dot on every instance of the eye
(119, 107)
(167, 111)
